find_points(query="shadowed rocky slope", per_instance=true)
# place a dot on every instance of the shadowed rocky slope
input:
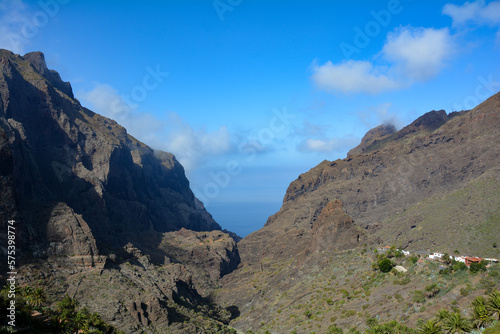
(88, 197)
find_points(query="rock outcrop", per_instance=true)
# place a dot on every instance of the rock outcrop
(372, 137)
(335, 230)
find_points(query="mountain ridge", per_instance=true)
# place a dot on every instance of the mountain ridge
(431, 186)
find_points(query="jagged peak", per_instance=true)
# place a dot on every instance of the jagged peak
(372, 136)
(37, 59)
(380, 135)
(4, 52)
(38, 64)
(431, 120)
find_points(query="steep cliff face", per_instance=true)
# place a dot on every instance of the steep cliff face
(65, 160)
(84, 193)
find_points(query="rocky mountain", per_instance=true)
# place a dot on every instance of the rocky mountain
(90, 201)
(385, 183)
(434, 185)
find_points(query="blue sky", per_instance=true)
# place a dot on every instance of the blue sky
(248, 94)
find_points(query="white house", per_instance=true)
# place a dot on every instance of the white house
(492, 260)
(435, 256)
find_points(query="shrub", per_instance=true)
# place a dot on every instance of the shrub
(349, 313)
(447, 259)
(418, 297)
(385, 265)
(465, 291)
(414, 259)
(477, 267)
(371, 322)
(398, 254)
(405, 280)
(458, 266)
(354, 330)
(432, 290)
(345, 293)
(486, 284)
(445, 271)
(334, 330)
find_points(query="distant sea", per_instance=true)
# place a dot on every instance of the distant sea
(242, 218)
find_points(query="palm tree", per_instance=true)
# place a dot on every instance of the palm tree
(456, 323)
(430, 327)
(35, 297)
(67, 313)
(82, 320)
(481, 316)
(442, 314)
(478, 301)
(57, 323)
(493, 303)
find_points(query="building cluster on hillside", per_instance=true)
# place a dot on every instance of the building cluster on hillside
(467, 260)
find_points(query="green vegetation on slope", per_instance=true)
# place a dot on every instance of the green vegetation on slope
(466, 220)
(346, 291)
(32, 315)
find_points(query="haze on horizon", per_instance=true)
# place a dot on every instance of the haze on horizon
(249, 94)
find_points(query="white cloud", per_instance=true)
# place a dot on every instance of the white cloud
(320, 145)
(315, 138)
(13, 16)
(352, 77)
(418, 53)
(191, 146)
(476, 12)
(107, 101)
(409, 55)
(380, 114)
(328, 144)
